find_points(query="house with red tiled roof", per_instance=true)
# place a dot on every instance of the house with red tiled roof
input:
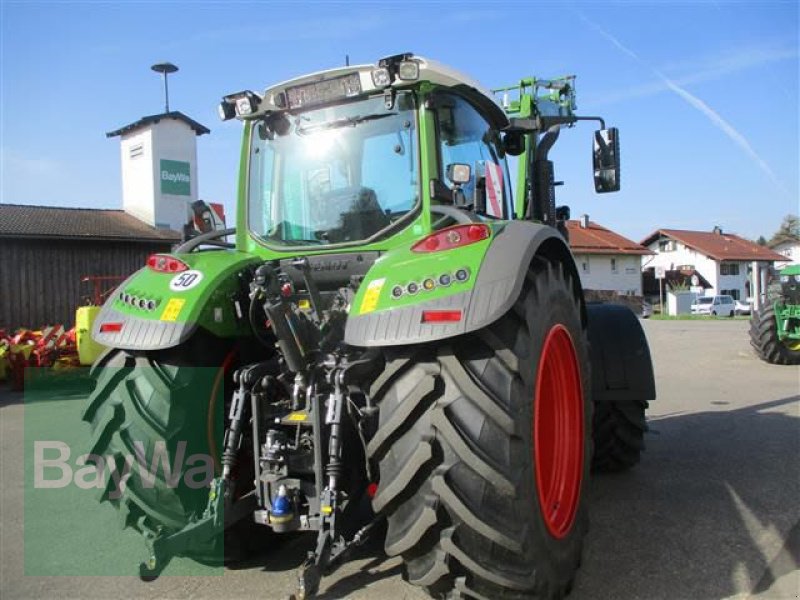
(606, 260)
(790, 249)
(730, 263)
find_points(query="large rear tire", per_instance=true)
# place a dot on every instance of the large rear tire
(159, 398)
(764, 339)
(484, 450)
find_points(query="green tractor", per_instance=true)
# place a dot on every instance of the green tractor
(399, 326)
(775, 327)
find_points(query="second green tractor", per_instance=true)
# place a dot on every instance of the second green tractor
(775, 326)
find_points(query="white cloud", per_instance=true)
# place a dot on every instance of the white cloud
(716, 119)
(685, 73)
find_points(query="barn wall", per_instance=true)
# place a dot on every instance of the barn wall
(40, 279)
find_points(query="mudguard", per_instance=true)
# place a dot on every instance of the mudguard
(152, 310)
(621, 366)
(496, 268)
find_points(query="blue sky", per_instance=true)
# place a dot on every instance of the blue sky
(705, 94)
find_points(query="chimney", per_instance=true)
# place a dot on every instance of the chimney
(717, 230)
(584, 221)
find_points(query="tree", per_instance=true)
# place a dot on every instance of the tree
(789, 231)
(761, 241)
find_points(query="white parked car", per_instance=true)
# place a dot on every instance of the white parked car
(722, 306)
(743, 308)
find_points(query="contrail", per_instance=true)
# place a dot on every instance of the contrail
(694, 101)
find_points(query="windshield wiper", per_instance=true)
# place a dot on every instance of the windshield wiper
(343, 122)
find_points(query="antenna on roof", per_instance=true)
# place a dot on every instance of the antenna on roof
(165, 69)
(346, 60)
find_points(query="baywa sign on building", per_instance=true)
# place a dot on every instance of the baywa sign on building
(175, 178)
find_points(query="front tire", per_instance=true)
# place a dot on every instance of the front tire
(484, 450)
(765, 341)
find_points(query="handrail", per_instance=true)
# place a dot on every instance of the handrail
(206, 238)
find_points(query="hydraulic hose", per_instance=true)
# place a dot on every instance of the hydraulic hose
(251, 315)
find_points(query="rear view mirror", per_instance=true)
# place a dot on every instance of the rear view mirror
(205, 218)
(605, 157)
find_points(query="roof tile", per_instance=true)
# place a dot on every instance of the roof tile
(717, 245)
(23, 221)
(149, 119)
(596, 239)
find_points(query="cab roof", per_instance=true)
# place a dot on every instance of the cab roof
(429, 70)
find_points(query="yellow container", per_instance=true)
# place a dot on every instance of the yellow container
(3, 361)
(88, 349)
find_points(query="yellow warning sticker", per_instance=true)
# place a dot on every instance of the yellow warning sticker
(297, 416)
(172, 309)
(304, 304)
(371, 296)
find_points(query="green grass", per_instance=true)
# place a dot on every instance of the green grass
(660, 317)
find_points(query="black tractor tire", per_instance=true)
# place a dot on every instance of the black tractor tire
(618, 433)
(764, 339)
(150, 398)
(457, 451)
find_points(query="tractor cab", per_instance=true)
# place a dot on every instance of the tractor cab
(359, 155)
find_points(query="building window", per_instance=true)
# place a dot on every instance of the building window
(729, 269)
(136, 151)
(733, 293)
(667, 246)
(614, 265)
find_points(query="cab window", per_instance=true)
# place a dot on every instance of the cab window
(465, 137)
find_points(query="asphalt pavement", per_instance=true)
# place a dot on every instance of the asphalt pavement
(712, 511)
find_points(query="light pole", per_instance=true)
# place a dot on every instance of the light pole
(165, 69)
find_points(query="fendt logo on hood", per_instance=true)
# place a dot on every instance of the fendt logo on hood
(175, 177)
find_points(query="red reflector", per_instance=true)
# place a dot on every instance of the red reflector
(163, 263)
(441, 316)
(372, 489)
(110, 327)
(453, 237)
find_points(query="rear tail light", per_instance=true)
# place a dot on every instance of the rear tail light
(163, 263)
(441, 316)
(453, 237)
(110, 327)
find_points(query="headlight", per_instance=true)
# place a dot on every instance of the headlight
(408, 70)
(381, 77)
(797, 278)
(244, 106)
(226, 110)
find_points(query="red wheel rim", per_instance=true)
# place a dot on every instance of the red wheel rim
(558, 432)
